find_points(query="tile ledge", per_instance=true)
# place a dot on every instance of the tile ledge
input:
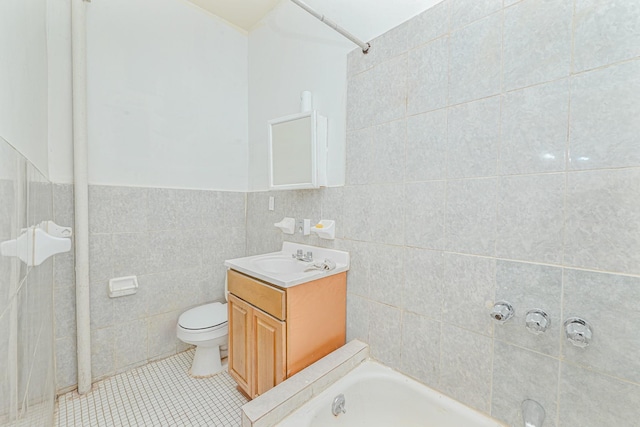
(284, 397)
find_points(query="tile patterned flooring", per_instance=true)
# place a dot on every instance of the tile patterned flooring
(158, 394)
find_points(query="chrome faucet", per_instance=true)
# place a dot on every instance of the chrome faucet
(337, 407)
(308, 257)
(532, 413)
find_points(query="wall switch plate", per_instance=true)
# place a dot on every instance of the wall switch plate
(272, 203)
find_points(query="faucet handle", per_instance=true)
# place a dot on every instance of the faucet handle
(299, 253)
(537, 321)
(309, 256)
(502, 311)
(578, 332)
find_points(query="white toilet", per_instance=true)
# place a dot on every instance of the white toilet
(207, 328)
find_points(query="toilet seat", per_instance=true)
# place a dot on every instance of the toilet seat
(205, 317)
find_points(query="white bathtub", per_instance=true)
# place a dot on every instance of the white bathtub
(379, 396)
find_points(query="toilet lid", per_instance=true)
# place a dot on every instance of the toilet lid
(204, 316)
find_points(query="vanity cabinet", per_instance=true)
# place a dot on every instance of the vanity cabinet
(276, 332)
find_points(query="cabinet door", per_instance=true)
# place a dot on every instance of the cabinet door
(240, 342)
(268, 352)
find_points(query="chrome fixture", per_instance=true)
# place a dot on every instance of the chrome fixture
(337, 407)
(537, 321)
(308, 257)
(532, 413)
(502, 311)
(578, 331)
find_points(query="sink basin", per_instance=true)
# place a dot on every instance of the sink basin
(279, 264)
(280, 269)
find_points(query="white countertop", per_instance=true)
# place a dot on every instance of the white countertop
(253, 265)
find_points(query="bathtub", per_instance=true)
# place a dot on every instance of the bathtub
(376, 395)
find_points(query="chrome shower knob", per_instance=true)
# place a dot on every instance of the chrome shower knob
(537, 321)
(502, 311)
(578, 332)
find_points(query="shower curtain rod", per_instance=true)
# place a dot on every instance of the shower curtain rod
(364, 46)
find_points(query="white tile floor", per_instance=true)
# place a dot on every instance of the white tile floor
(157, 394)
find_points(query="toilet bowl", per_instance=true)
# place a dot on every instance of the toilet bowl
(207, 328)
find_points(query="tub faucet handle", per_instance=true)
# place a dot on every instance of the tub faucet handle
(537, 321)
(337, 407)
(502, 311)
(578, 332)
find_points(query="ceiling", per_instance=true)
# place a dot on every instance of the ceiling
(364, 18)
(241, 13)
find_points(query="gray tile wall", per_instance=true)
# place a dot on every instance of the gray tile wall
(174, 241)
(493, 153)
(27, 372)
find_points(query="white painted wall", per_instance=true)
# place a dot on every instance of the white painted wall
(290, 51)
(169, 102)
(60, 91)
(23, 78)
(167, 96)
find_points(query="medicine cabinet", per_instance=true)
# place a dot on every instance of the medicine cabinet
(298, 151)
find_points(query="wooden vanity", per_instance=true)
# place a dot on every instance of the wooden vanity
(275, 332)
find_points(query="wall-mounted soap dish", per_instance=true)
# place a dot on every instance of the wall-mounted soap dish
(287, 225)
(325, 229)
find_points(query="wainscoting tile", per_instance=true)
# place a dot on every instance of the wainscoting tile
(590, 399)
(464, 12)
(359, 156)
(421, 348)
(385, 333)
(471, 216)
(534, 129)
(610, 304)
(530, 217)
(428, 25)
(427, 79)
(475, 60)
(606, 31)
(423, 282)
(130, 343)
(357, 318)
(366, 107)
(376, 155)
(426, 151)
(603, 133)
(465, 366)
(469, 290)
(518, 375)
(390, 44)
(526, 287)
(385, 274)
(474, 138)
(537, 42)
(602, 220)
(424, 206)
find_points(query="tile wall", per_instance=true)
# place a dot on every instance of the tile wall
(174, 241)
(27, 373)
(493, 153)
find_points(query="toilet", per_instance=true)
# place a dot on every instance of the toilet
(207, 328)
